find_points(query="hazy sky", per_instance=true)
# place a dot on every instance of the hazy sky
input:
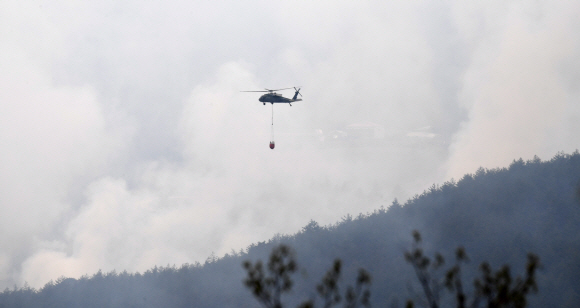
(125, 142)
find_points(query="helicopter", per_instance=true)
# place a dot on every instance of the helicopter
(273, 97)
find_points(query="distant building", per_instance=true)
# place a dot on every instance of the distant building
(423, 135)
(365, 130)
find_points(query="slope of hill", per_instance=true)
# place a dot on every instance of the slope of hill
(498, 215)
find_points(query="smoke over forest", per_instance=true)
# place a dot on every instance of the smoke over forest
(127, 144)
(497, 215)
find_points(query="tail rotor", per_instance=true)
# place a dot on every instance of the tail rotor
(296, 94)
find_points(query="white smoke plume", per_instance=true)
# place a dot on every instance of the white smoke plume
(126, 142)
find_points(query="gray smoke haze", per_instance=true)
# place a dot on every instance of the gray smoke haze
(125, 142)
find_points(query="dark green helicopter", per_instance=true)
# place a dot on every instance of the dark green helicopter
(273, 97)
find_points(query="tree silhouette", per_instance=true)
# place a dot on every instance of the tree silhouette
(329, 289)
(268, 287)
(492, 290)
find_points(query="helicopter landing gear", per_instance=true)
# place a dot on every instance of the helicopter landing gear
(290, 104)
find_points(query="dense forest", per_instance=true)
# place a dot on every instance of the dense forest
(497, 215)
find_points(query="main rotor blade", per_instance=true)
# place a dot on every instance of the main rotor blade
(269, 90)
(278, 89)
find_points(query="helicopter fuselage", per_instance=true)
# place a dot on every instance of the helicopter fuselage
(277, 98)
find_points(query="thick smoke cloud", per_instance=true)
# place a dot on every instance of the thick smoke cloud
(521, 97)
(126, 142)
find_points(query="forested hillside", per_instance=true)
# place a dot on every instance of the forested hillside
(498, 215)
